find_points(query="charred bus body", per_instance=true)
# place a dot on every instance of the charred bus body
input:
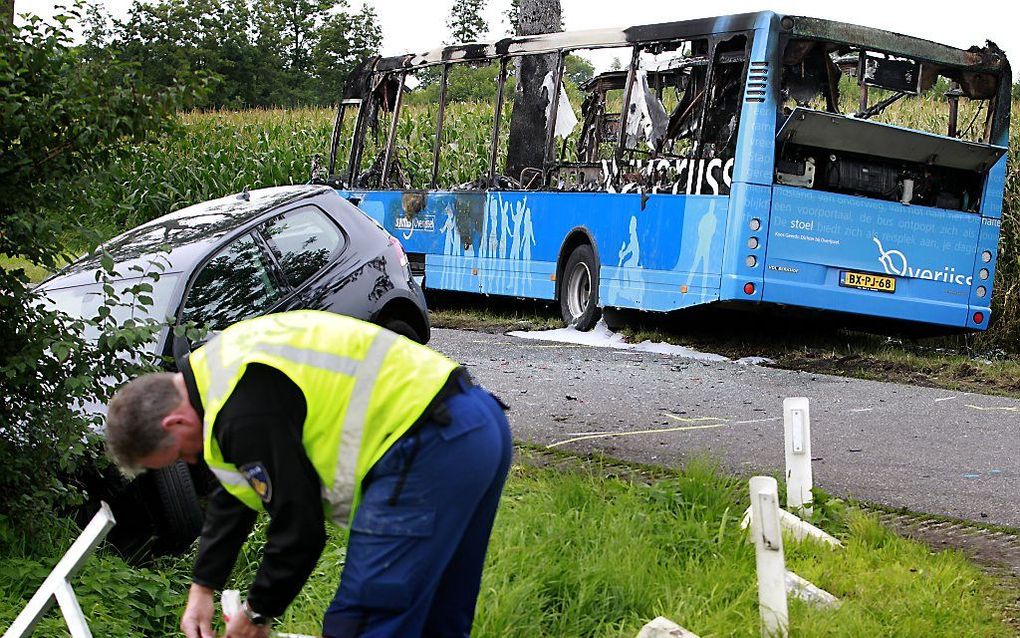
(747, 158)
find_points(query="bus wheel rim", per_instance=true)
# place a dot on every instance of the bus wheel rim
(578, 290)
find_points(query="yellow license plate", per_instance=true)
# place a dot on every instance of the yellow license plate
(867, 281)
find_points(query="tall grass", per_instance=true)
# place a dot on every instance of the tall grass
(210, 155)
(221, 152)
(578, 551)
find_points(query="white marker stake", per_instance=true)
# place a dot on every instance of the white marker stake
(57, 586)
(768, 550)
(799, 481)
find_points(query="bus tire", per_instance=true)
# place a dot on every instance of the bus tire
(180, 507)
(579, 289)
(615, 318)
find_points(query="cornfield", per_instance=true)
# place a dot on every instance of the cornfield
(221, 152)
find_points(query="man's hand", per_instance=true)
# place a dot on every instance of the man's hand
(197, 619)
(240, 627)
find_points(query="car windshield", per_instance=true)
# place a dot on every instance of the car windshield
(84, 301)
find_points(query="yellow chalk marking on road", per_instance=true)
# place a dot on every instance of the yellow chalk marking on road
(1003, 408)
(607, 435)
(693, 419)
(775, 418)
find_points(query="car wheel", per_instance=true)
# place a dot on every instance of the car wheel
(402, 328)
(579, 289)
(180, 507)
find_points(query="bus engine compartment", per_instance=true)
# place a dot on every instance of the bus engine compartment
(844, 155)
(848, 121)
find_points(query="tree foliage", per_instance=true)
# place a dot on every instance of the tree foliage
(256, 52)
(466, 23)
(62, 114)
(344, 40)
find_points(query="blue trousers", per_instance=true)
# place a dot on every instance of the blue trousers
(418, 539)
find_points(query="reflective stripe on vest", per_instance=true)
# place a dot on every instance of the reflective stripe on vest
(341, 495)
(325, 360)
(229, 477)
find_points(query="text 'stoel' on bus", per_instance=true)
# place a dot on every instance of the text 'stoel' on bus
(753, 158)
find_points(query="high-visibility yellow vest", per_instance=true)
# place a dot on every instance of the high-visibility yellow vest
(363, 386)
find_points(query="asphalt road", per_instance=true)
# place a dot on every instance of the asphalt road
(929, 450)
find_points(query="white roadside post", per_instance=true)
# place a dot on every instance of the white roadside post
(57, 586)
(797, 420)
(768, 550)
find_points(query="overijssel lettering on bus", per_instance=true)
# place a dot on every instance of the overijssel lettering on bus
(753, 158)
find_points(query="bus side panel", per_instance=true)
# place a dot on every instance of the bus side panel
(519, 242)
(815, 236)
(445, 227)
(681, 265)
(646, 252)
(664, 255)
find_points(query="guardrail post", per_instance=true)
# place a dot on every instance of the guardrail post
(57, 586)
(797, 420)
(768, 550)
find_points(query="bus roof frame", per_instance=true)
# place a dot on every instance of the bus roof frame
(986, 59)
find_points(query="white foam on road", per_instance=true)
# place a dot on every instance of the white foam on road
(601, 336)
(754, 361)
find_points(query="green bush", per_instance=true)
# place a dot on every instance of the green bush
(61, 117)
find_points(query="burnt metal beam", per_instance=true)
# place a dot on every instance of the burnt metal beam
(494, 150)
(392, 137)
(889, 42)
(625, 108)
(439, 126)
(797, 26)
(554, 109)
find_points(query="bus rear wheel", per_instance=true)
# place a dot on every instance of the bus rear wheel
(579, 289)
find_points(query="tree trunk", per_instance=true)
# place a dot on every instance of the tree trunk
(528, 119)
(7, 13)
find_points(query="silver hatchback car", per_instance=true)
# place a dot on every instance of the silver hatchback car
(221, 261)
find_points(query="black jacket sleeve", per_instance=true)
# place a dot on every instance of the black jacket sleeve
(259, 431)
(227, 525)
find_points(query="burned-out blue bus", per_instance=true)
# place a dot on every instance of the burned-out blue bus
(747, 159)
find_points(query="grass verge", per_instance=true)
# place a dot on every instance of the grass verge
(35, 273)
(817, 344)
(586, 547)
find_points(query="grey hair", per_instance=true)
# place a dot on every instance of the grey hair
(134, 419)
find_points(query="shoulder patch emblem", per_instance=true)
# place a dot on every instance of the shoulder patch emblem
(258, 478)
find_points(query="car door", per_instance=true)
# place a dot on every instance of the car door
(238, 282)
(316, 259)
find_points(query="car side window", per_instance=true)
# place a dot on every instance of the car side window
(235, 284)
(303, 241)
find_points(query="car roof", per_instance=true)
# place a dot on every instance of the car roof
(190, 232)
